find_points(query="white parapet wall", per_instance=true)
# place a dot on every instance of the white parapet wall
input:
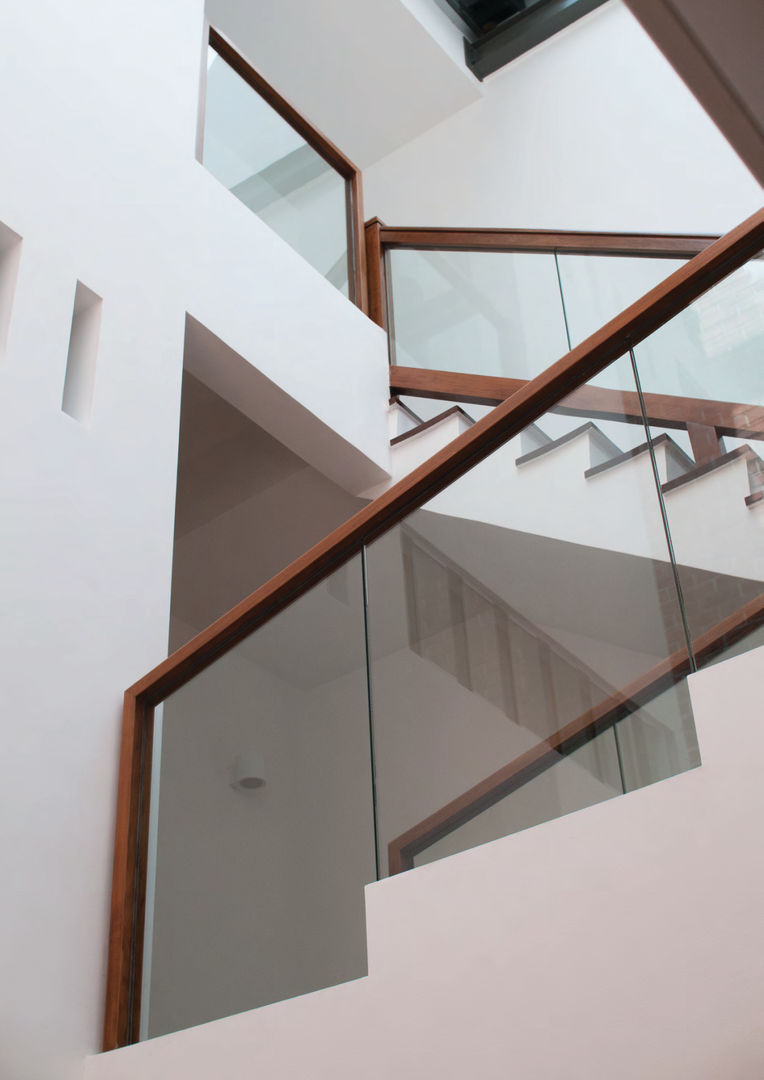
(622, 940)
(100, 185)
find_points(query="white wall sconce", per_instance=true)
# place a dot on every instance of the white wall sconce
(248, 772)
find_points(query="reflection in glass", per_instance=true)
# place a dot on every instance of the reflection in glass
(572, 781)
(527, 596)
(273, 171)
(258, 887)
(658, 740)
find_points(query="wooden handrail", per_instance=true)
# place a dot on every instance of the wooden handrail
(731, 418)
(657, 245)
(471, 803)
(381, 238)
(508, 419)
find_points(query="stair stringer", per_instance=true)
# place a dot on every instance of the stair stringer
(622, 940)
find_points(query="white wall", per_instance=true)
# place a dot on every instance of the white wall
(100, 181)
(591, 130)
(371, 76)
(623, 940)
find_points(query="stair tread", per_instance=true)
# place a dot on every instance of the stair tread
(628, 455)
(745, 452)
(425, 424)
(589, 426)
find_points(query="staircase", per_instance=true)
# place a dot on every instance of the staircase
(520, 576)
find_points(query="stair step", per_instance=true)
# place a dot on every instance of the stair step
(602, 449)
(676, 462)
(424, 425)
(533, 438)
(401, 417)
(755, 472)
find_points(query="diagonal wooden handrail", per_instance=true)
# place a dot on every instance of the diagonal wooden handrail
(547, 390)
(514, 775)
(529, 402)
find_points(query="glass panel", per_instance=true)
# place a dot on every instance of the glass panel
(534, 589)
(596, 288)
(273, 171)
(572, 781)
(599, 287)
(488, 313)
(658, 740)
(708, 356)
(264, 818)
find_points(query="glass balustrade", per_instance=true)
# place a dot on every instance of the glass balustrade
(262, 818)
(522, 602)
(513, 650)
(271, 168)
(487, 313)
(509, 314)
(710, 358)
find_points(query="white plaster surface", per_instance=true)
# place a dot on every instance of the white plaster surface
(101, 183)
(371, 77)
(593, 129)
(624, 939)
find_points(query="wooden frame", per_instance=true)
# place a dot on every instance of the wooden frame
(703, 419)
(528, 403)
(657, 246)
(381, 238)
(403, 849)
(323, 146)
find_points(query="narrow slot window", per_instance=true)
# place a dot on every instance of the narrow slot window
(79, 382)
(10, 256)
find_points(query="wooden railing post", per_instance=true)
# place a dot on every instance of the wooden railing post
(375, 273)
(704, 441)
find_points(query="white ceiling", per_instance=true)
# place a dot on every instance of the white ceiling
(369, 74)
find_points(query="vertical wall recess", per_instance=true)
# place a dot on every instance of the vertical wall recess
(10, 256)
(83, 353)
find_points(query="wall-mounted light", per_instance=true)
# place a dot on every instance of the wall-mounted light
(248, 772)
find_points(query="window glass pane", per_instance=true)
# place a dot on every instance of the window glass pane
(273, 171)
(486, 15)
